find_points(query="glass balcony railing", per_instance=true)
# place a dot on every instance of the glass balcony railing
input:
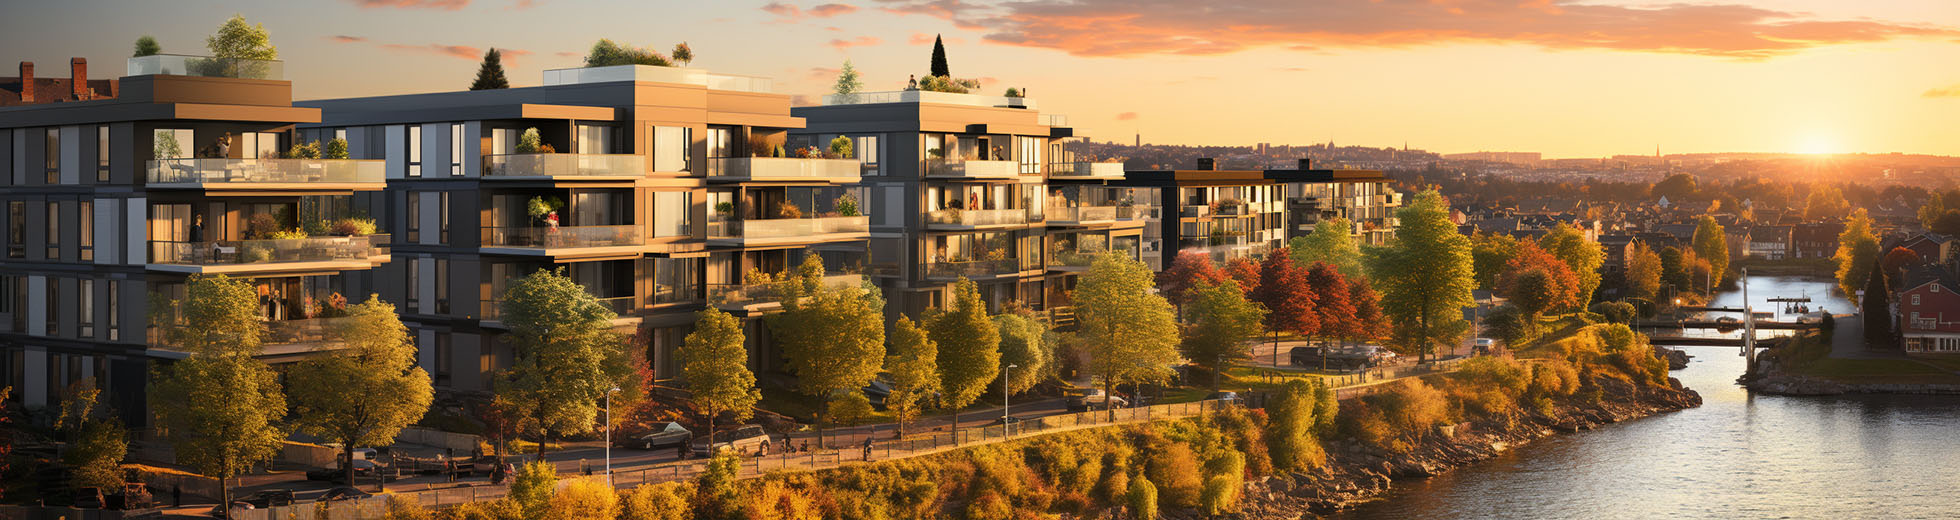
(924, 96)
(620, 305)
(1074, 257)
(784, 168)
(277, 332)
(1089, 213)
(731, 296)
(181, 65)
(546, 237)
(977, 217)
(1086, 169)
(245, 252)
(787, 227)
(973, 169)
(253, 171)
(564, 165)
(972, 269)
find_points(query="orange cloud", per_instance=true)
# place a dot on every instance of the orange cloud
(1946, 92)
(823, 72)
(1125, 28)
(448, 5)
(829, 10)
(457, 51)
(926, 39)
(793, 14)
(342, 38)
(861, 41)
(1126, 116)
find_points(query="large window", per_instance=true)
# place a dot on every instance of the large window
(866, 147)
(673, 213)
(443, 359)
(54, 230)
(53, 308)
(102, 153)
(414, 150)
(594, 139)
(455, 153)
(1029, 154)
(442, 215)
(675, 280)
(86, 226)
(52, 154)
(413, 289)
(115, 321)
(670, 148)
(442, 286)
(86, 317)
(16, 229)
(414, 216)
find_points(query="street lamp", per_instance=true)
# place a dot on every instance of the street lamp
(608, 401)
(1004, 395)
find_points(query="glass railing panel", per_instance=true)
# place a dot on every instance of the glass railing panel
(1086, 169)
(973, 268)
(972, 169)
(783, 167)
(788, 227)
(564, 165)
(563, 236)
(241, 252)
(977, 217)
(191, 170)
(205, 66)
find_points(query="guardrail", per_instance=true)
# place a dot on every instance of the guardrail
(264, 171)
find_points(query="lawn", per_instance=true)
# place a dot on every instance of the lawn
(1261, 379)
(1902, 371)
(1951, 362)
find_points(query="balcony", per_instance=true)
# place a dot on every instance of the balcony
(624, 306)
(564, 166)
(840, 171)
(975, 218)
(256, 256)
(732, 297)
(259, 174)
(973, 169)
(563, 240)
(282, 338)
(1072, 215)
(925, 96)
(205, 66)
(1086, 170)
(975, 269)
(788, 230)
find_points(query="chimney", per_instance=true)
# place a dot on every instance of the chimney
(78, 77)
(1207, 163)
(26, 82)
(1306, 164)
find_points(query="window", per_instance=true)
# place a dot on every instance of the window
(1915, 301)
(86, 226)
(1029, 154)
(674, 280)
(414, 151)
(866, 147)
(414, 215)
(12, 304)
(54, 230)
(102, 153)
(443, 356)
(16, 229)
(442, 214)
(86, 317)
(594, 139)
(671, 213)
(455, 152)
(115, 320)
(670, 148)
(53, 309)
(52, 152)
(721, 143)
(442, 286)
(413, 288)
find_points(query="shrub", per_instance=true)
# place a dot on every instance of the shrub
(1392, 420)
(849, 409)
(404, 508)
(1142, 499)
(529, 142)
(334, 149)
(1176, 467)
(530, 489)
(842, 148)
(1615, 312)
(716, 492)
(1241, 428)
(583, 499)
(606, 53)
(1553, 378)
(492, 510)
(317, 228)
(656, 502)
(847, 205)
(1115, 485)
(260, 224)
(309, 150)
(352, 227)
(1224, 477)
(286, 234)
(1290, 427)
(776, 500)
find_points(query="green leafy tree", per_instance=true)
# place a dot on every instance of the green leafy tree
(1857, 253)
(848, 82)
(238, 39)
(939, 58)
(683, 53)
(219, 407)
(714, 365)
(1332, 241)
(334, 149)
(1127, 327)
(97, 445)
(531, 487)
(1930, 211)
(914, 366)
(490, 75)
(147, 46)
(1676, 188)
(717, 491)
(364, 394)
(1490, 253)
(568, 356)
(1825, 202)
(1221, 323)
(842, 148)
(1712, 244)
(1643, 268)
(1292, 430)
(832, 337)
(1425, 275)
(1021, 346)
(1582, 255)
(606, 53)
(969, 347)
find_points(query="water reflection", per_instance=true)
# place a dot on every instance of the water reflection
(1736, 456)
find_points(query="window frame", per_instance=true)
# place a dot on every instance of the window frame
(455, 153)
(413, 152)
(102, 153)
(51, 147)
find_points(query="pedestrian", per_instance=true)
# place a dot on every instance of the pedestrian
(449, 468)
(177, 495)
(867, 449)
(584, 468)
(762, 450)
(806, 446)
(680, 452)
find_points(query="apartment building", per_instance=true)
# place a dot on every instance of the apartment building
(115, 196)
(1230, 214)
(958, 187)
(658, 189)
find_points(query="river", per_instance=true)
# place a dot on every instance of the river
(1736, 456)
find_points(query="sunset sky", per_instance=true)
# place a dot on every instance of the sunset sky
(1563, 77)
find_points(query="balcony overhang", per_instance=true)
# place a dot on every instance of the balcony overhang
(783, 242)
(275, 267)
(270, 189)
(625, 252)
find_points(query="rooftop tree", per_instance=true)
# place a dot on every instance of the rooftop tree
(848, 82)
(714, 365)
(1425, 276)
(606, 53)
(939, 58)
(147, 46)
(683, 53)
(1128, 328)
(490, 75)
(364, 394)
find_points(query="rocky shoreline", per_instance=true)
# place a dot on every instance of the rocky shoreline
(1785, 383)
(1356, 473)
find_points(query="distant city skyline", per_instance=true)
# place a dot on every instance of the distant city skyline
(1562, 78)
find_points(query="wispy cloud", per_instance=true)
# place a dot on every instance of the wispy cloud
(342, 38)
(822, 72)
(861, 41)
(1128, 28)
(791, 14)
(450, 5)
(468, 52)
(1126, 116)
(919, 38)
(1944, 92)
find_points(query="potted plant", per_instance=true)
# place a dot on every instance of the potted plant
(787, 209)
(530, 142)
(842, 148)
(847, 205)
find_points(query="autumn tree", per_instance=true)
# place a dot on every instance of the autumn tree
(1332, 241)
(568, 356)
(363, 394)
(1857, 252)
(97, 441)
(1245, 272)
(1895, 263)
(1581, 255)
(914, 366)
(1128, 328)
(1369, 323)
(1296, 418)
(969, 346)
(1288, 298)
(219, 407)
(1489, 253)
(832, 337)
(1537, 282)
(1825, 202)
(490, 74)
(1221, 322)
(1187, 271)
(1643, 272)
(683, 53)
(1021, 346)
(1332, 309)
(1711, 243)
(1425, 276)
(714, 365)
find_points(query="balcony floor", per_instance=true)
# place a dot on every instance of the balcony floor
(275, 267)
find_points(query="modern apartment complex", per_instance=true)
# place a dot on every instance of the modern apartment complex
(1245, 213)
(114, 197)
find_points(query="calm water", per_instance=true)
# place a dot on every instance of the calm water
(1736, 456)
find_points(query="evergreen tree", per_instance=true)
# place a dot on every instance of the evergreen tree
(490, 74)
(1876, 308)
(848, 83)
(939, 58)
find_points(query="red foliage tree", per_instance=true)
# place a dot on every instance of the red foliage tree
(1895, 264)
(1331, 306)
(1245, 272)
(1187, 271)
(1288, 298)
(1369, 322)
(1537, 282)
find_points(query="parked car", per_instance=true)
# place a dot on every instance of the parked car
(271, 498)
(747, 438)
(671, 435)
(1226, 397)
(89, 498)
(1484, 346)
(1349, 358)
(364, 470)
(343, 493)
(1094, 399)
(237, 508)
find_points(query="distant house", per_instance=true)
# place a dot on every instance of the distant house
(1929, 316)
(1769, 242)
(1815, 239)
(1932, 247)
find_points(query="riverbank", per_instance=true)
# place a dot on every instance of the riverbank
(1836, 363)
(1356, 472)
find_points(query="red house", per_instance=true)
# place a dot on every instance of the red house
(1929, 316)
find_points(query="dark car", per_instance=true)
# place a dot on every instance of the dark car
(343, 493)
(671, 435)
(89, 498)
(364, 470)
(271, 498)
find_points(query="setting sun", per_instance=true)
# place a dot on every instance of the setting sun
(1819, 144)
